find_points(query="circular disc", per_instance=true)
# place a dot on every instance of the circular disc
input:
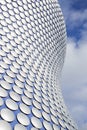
(5, 125)
(23, 119)
(36, 122)
(7, 115)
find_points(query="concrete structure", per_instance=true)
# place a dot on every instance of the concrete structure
(32, 50)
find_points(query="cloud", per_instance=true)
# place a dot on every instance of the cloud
(84, 127)
(74, 18)
(74, 79)
(74, 76)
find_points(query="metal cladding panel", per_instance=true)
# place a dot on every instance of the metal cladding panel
(32, 51)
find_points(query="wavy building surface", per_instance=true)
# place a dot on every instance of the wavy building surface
(32, 50)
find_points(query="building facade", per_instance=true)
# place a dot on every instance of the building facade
(32, 51)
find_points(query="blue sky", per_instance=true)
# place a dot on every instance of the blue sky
(74, 77)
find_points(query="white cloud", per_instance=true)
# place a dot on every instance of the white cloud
(84, 127)
(74, 18)
(74, 76)
(74, 79)
(76, 63)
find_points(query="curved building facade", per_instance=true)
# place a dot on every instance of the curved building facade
(32, 51)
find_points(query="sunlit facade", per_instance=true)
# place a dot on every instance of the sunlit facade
(32, 51)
